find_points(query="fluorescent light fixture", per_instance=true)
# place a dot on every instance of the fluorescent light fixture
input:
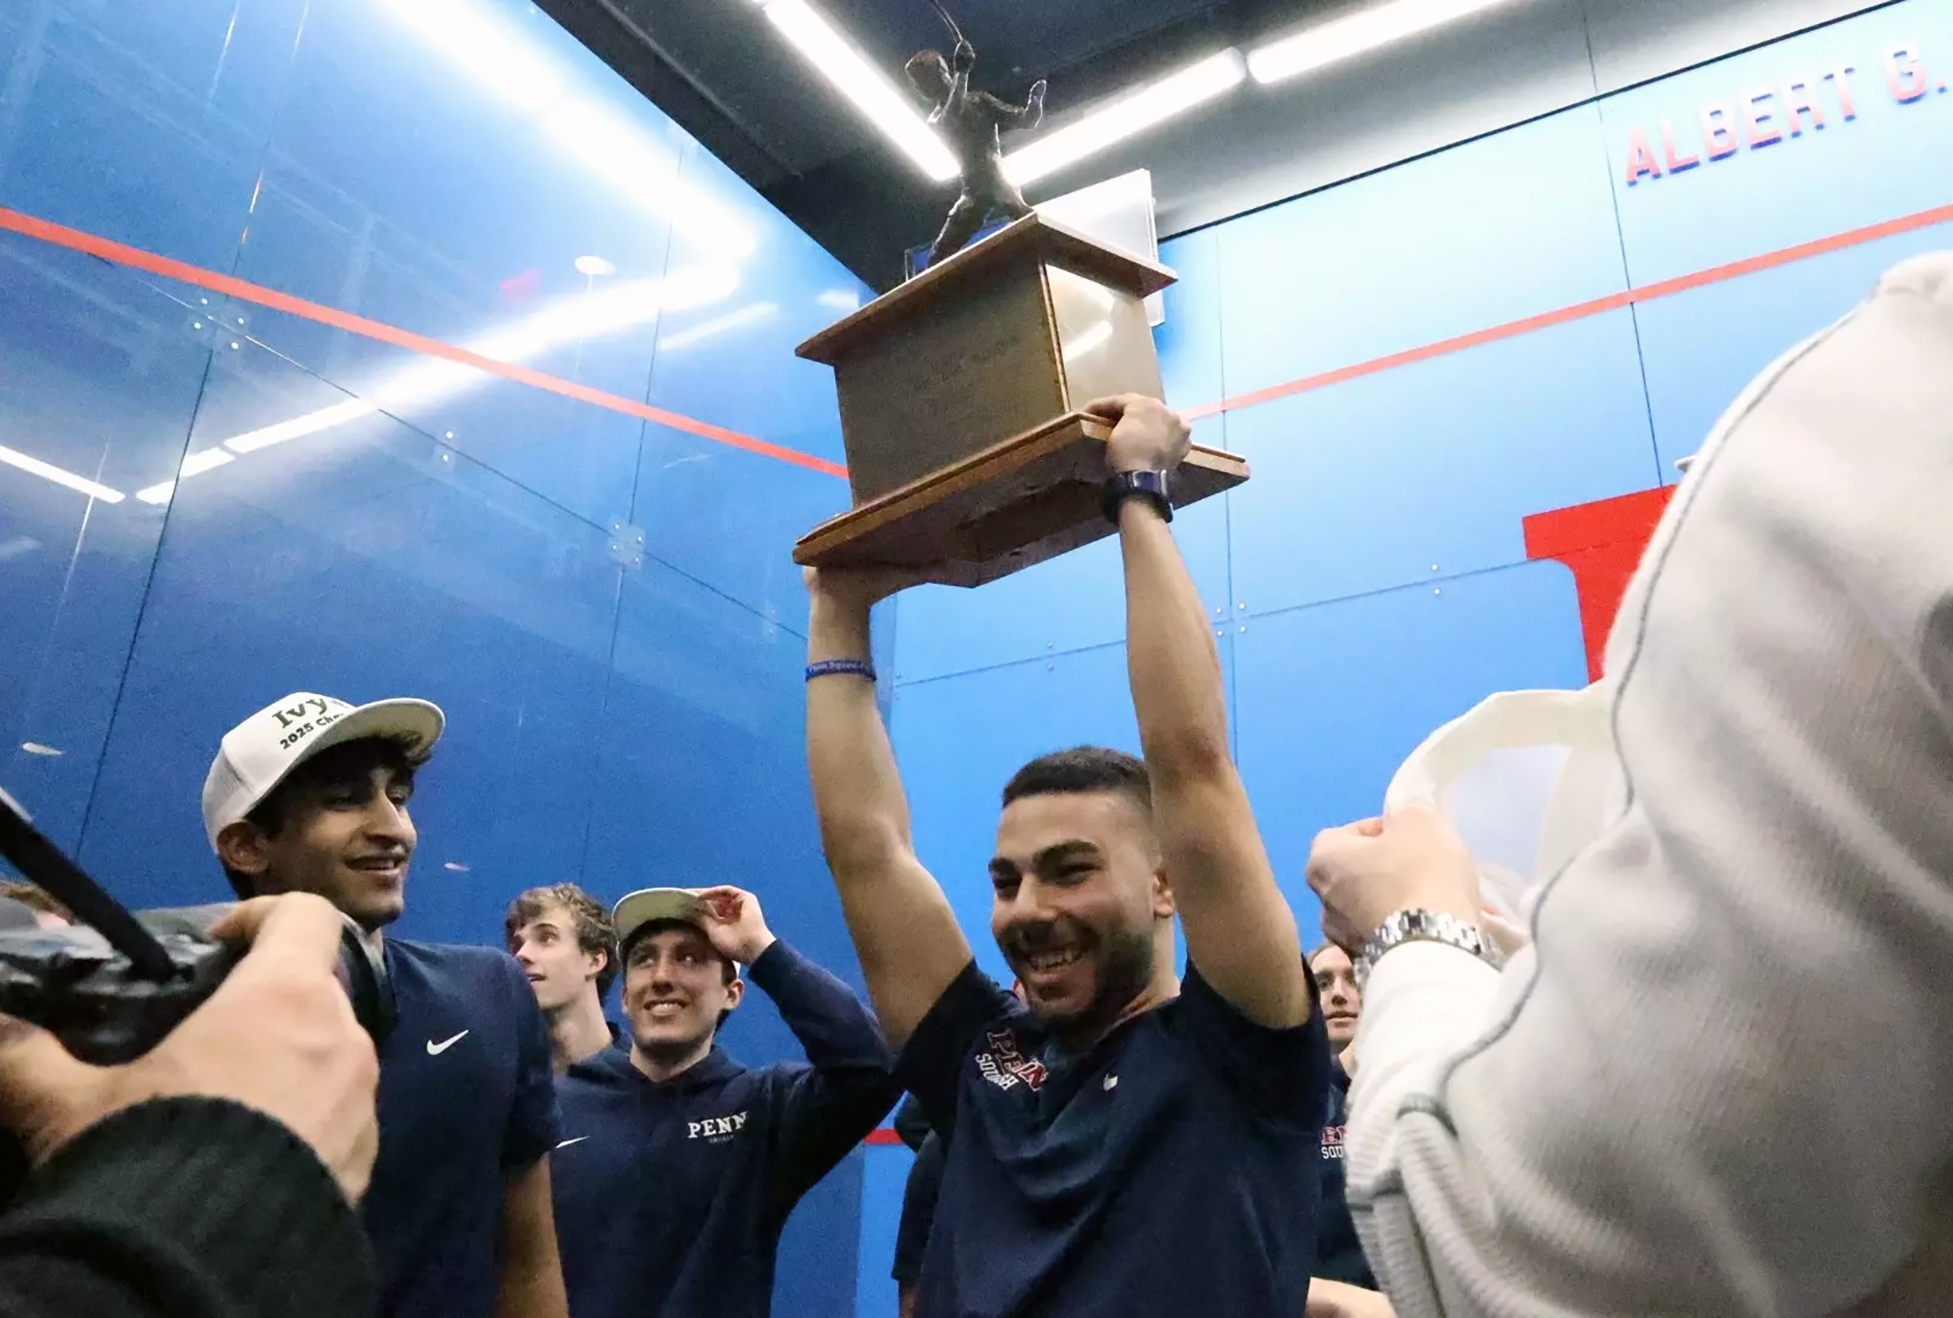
(709, 329)
(863, 84)
(1127, 116)
(36, 748)
(594, 266)
(49, 472)
(1340, 38)
(839, 299)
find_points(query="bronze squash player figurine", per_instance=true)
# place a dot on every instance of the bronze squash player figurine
(970, 121)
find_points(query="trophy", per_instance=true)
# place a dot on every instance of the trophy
(960, 389)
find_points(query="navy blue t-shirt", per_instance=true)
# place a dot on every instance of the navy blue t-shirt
(1339, 1253)
(1170, 1170)
(670, 1196)
(467, 1101)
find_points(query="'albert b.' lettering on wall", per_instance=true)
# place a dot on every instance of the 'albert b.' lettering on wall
(1768, 116)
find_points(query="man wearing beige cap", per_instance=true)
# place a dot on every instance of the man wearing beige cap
(678, 1166)
(310, 794)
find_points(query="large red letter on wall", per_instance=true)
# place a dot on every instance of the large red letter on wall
(1719, 132)
(1907, 75)
(1602, 543)
(1641, 160)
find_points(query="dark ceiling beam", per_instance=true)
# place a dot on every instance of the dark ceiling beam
(641, 61)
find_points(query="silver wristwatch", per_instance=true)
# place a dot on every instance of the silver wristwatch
(1422, 927)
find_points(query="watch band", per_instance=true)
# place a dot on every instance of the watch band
(1420, 926)
(1123, 485)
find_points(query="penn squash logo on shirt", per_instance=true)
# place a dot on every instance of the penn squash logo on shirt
(1332, 1142)
(1005, 1066)
(716, 1130)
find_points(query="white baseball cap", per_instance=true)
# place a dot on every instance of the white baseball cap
(634, 910)
(261, 752)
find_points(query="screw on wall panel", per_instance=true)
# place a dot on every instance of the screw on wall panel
(626, 544)
(1219, 611)
(1049, 645)
(1241, 606)
(1051, 668)
(1434, 567)
(1437, 590)
(1244, 626)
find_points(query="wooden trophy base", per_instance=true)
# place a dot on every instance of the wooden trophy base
(1032, 497)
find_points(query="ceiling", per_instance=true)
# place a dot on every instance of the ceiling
(721, 70)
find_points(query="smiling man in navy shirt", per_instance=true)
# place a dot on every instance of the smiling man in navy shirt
(1119, 1144)
(678, 1166)
(310, 795)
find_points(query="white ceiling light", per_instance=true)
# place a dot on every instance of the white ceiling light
(1129, 115)
(594, 266)
(1338, 39)
(862, 83)
(49, 472)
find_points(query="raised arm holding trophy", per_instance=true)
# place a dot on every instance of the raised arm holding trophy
(963, 390)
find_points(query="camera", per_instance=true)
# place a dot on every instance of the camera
(113, 985)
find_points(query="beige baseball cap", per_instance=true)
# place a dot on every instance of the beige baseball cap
(650, 905)
(262, 751)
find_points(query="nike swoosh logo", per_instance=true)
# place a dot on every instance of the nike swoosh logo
(436, 1049)
(578, 1140)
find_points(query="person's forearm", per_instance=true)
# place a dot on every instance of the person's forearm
(834, 1027)
(532, 1268)
(864, 816)
(137, 1217)
(1170, 656)
(905, 934)
(533, 1289)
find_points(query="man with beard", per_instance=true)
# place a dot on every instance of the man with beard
(678, 1166)
(1121, 1143)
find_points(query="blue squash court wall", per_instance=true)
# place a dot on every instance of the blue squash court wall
(1371, 580)
(385, 521)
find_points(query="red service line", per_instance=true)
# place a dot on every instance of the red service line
(1581, 310)
(134, 257)
(122, 254)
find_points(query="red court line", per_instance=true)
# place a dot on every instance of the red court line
(883, 1135)
(1581, 310)
(122, 254)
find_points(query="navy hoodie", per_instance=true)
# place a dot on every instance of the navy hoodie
(670, 1196)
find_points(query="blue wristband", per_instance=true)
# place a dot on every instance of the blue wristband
(829, 667)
